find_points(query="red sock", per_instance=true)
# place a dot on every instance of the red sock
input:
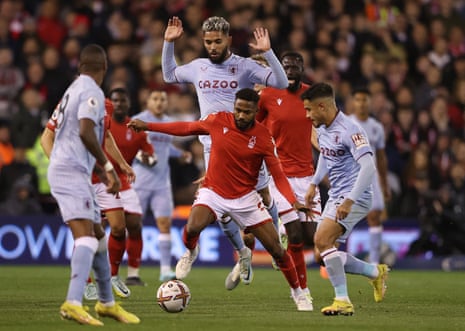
(116, 247)
(297, 253)
(287, 267)
(189, 242)
(134, 249)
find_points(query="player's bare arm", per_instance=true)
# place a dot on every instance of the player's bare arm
(174, 29)
(262, 39)
(46, 141)
(115, 153)
(137, 125)
(89, 139)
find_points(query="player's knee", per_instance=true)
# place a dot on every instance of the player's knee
(118, 230)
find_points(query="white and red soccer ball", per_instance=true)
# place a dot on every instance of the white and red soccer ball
(173, 296)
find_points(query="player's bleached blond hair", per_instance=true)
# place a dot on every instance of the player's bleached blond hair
(216, 23)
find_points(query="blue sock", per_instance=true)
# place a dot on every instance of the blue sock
(102, 273)
(337, 276)
(164, 246)
(375, 233)
(81, 262)
(233, 233)
(273, 210)
(355, 266)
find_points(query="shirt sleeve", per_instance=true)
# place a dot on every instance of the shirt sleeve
(181, 128)
(321, 171)
(364, 177)
(168, 62)
(278, 77)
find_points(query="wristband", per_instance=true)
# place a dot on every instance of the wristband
(108, 166)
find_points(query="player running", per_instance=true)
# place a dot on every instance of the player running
(216, 80)
(346, 156)
(239, 147)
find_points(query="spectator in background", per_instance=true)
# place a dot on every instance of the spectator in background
(11, 83)
(6, 148)
(22, 200)
(18, 169)
(27, 123)
(50, 28)
(40, 161)
(56, 78)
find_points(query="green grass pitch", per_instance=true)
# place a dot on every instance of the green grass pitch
(30, 297)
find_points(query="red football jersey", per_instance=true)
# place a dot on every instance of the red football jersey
(283, 113)
(236, 156)
(129, 143)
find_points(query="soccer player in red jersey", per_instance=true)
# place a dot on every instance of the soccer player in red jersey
(123, 211)
(242, 144)
(282, 112)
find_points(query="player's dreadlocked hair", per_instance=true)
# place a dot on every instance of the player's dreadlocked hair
(216, 23)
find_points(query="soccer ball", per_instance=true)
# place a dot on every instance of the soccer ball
(173, 296)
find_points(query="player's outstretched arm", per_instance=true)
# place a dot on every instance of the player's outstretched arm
(174, 29)
(137, 125)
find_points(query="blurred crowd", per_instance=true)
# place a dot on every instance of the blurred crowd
(409, 53)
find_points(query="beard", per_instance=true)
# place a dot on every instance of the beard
(294, 87)
(220, 59)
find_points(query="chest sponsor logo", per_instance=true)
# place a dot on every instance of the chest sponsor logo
(218, 84)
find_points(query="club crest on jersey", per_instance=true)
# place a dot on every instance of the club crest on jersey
(252, 142)
(225, 130)
(359, 140)
(232, 69)
(279, 101)
(129, 135)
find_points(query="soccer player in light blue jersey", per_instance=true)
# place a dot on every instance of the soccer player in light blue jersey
(346, 157)
(375, 132)
(216, 80)
(153, 183)
(76, 149)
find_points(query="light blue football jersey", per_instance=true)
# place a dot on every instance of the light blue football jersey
(342, 144)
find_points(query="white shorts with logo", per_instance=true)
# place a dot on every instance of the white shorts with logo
(263, 175)
(285, 210)
(126, 200)
(74, 194)
(357, 213)
(247, 211)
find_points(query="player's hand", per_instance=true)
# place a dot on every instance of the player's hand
(262, 38)
(174, 29)
(147, 159)
(344, 209)
(129, 172)
(199, 181)
(301, 207)
(113, 183)
(310, 195)
(137, 125)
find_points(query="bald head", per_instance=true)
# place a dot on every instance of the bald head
(92, 59)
